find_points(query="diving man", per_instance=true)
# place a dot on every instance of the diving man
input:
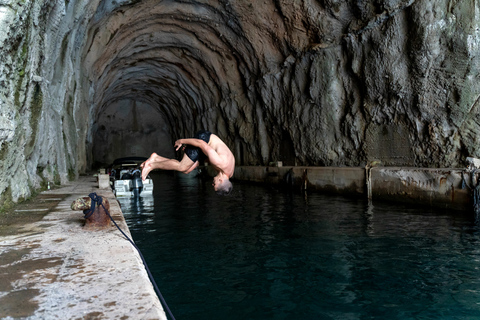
(204, 145)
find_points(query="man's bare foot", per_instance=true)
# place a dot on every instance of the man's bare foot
(147, 165)
(153, 157)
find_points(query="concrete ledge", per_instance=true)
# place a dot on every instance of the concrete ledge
(326, 179)
(434, 187)
(55, 269)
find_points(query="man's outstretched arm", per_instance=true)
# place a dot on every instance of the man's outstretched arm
(193, 142)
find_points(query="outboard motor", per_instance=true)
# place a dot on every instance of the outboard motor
(126, 176)
(137, 182)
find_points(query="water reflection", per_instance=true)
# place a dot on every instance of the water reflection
(137, 205)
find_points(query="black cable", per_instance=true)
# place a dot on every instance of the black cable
(97, 199)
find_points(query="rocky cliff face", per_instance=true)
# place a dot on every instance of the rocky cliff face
(321, 82)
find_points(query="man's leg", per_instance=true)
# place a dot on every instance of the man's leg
(192, 167)
(153, 157)
(157, 162)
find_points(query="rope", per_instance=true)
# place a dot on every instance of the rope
(97, 199)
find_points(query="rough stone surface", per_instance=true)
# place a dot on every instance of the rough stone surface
(334, 83)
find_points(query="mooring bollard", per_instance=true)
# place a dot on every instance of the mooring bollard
(96, 219)
(104, 181)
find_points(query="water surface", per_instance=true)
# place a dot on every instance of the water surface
(263, 254)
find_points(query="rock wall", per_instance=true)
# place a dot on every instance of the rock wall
(329, 83)
(43, 115)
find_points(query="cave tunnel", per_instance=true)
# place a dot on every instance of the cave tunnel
(262, 77)
(308, 83)
(376, 99)
(162, 71)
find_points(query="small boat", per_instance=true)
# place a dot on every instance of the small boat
(126, 178)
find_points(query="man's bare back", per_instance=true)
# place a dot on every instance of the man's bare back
(227, 165)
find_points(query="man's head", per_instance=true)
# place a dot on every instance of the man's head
(222, 184)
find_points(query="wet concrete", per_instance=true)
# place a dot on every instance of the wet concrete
(53, 268)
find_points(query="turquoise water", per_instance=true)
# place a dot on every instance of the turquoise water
(267, 254)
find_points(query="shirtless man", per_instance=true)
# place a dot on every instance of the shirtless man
(203, 145)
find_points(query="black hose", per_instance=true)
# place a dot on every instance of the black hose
(97, 199)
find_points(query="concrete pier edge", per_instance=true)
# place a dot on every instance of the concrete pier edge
(55, 268)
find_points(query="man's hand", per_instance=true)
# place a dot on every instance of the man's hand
(178, 144)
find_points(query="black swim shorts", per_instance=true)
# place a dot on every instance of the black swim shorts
(195, 153)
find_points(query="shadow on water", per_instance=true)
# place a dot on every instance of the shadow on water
(266, 254)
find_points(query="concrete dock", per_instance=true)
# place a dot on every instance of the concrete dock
(51, 267)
